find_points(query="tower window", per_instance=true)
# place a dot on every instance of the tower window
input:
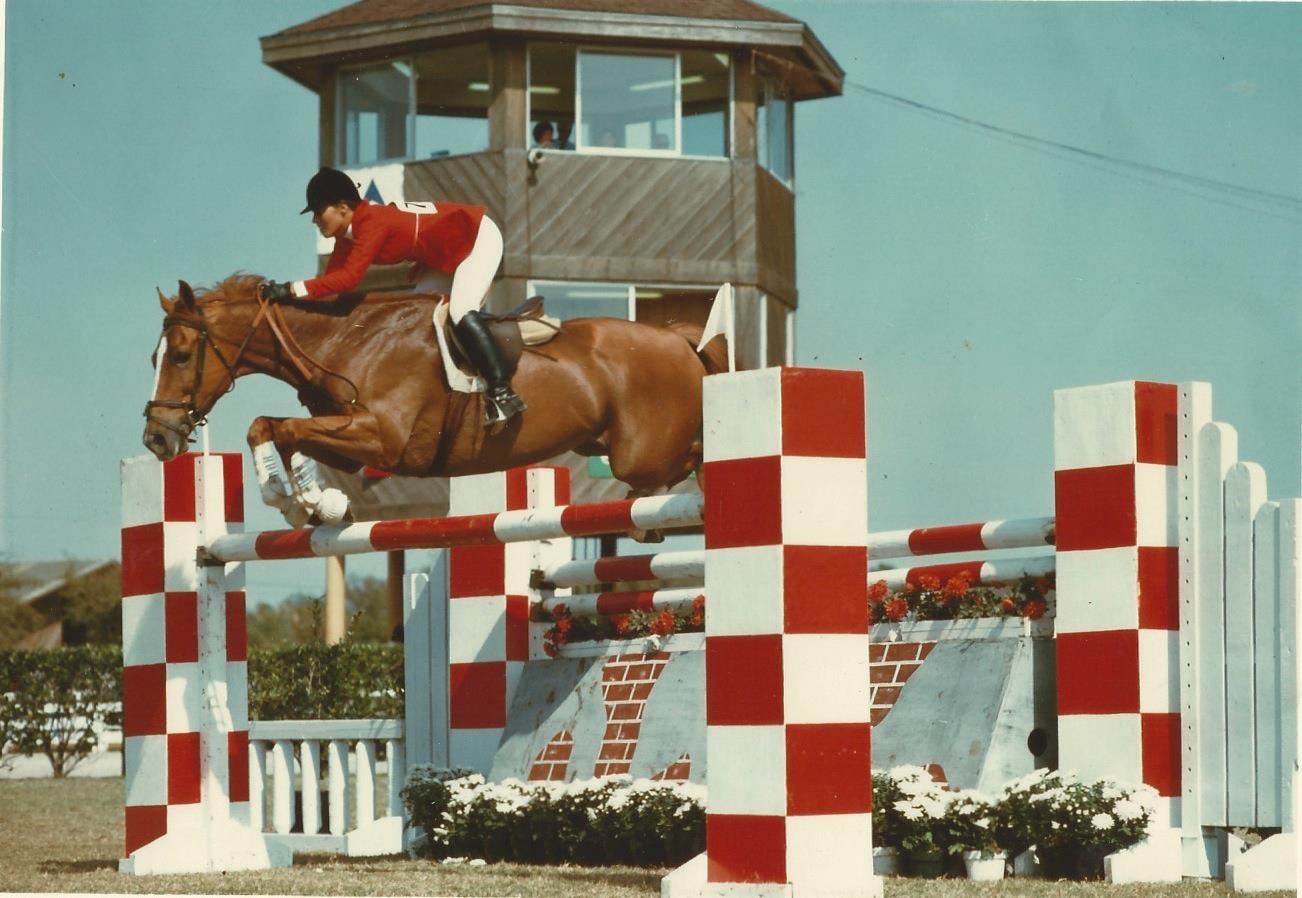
(647, 103)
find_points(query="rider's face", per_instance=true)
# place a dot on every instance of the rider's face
(333, 221)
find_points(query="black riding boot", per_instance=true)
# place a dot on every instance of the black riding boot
(484, 354)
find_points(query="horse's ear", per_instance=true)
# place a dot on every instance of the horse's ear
(185, 294)
(167, 303)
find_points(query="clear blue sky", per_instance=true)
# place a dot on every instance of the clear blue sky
(969, 272)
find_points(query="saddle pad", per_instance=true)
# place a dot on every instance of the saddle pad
(534, 331)
(459, 380)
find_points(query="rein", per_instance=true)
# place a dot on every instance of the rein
(194, 416)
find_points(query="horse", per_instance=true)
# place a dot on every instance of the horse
(368, 369)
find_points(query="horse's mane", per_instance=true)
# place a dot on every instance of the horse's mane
(239, 286)
(242, 286)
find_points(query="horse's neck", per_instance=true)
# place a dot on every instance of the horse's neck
(337, 343)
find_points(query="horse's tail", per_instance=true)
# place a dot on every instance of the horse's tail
(714, 355)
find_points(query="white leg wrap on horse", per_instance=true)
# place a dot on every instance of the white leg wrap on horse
(306, 487)
(272, 482)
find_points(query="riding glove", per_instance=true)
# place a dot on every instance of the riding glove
(274, 292)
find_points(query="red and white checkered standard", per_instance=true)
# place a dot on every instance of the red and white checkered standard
(1117, 625)
(489, 595)
(482, 529)
(184, 677)
(786, 635)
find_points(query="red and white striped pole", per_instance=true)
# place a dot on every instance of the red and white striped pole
(468, 529)
(786, 635)
(184, 677)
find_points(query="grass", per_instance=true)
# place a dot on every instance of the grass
(66, 836)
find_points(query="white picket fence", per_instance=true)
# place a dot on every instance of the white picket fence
(346, 821)
(1240, 565)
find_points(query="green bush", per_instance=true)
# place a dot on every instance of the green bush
(316, 681)
(53, 702)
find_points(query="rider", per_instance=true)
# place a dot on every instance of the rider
(443, 239)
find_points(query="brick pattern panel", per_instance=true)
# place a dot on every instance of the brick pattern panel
(553, 762)
(626, 684)
(679, 771)
(890, 666)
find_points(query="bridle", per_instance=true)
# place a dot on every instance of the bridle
(194, 417)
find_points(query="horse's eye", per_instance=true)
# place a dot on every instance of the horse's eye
(180, 358)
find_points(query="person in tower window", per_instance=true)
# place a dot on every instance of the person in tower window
(442, 240)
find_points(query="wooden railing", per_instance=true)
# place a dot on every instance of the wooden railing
(343, 817)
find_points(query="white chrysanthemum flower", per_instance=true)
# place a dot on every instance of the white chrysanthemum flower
(1128, 809)
(479, 862)
(453, 860)
(1102, 821)
(909, 772)
(910, 810)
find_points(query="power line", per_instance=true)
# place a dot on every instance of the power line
(1144, 172)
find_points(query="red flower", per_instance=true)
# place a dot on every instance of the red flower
(698, 604)
(956, 587)
(1043, 585)
(896, 609)
(563, 625)
(549, 649)
(621, 624)
(929, 582)
(878, 591)
(1035, 609)
(1007, 606)
(663, 624)
(908, 589)
(560, 611)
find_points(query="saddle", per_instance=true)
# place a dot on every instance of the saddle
(525, 325)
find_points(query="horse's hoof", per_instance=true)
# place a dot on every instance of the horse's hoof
(333, 506)
(647, 536)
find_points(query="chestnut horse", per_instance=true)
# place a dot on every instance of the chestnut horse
(368, 370)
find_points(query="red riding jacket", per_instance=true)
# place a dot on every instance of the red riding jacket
(439, 239)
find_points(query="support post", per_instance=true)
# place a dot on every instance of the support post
(184, 677)
(1118, 586)
(336, 600)
(396, 571)
(786, 638)
(487, 593)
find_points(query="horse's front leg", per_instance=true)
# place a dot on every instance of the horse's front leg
(294, 445)
(273, 482)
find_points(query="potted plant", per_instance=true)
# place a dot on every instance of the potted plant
(920, 820)
(970, 831)
(886, 838)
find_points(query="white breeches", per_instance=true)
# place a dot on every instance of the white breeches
(468, 287)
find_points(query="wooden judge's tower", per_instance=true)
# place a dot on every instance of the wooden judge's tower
(670, 167)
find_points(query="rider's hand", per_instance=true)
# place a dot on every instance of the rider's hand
(274, 292)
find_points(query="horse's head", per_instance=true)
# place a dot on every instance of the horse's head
(191, 368)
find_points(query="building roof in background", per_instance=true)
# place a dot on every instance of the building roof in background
(385, 29)
(369, 12)
(37, 579)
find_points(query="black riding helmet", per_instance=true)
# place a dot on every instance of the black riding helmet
(330, 186)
